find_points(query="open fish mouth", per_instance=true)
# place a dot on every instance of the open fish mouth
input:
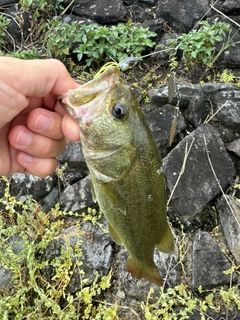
(83, 102)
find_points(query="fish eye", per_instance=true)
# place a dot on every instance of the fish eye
(119, 111)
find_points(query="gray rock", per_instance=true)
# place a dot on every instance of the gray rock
(97, 253)
(77, 196)
(195, 106)
(49, 201)
(197, 185)
(160, 122)
(154, 25)
(229, 213)
(231, 6)
(234, 147)
(182, 15)
(227, 106)
(21, 30)
(6, 276)
(22, 185)
(209, 263)
(101, 11)
(72, 155)
(6, 279)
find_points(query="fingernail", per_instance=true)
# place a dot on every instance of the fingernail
(26, 158)
(43, 122)
(24, 139)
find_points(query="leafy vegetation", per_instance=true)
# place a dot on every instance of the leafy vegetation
(199, 46)
(4, 22)
(91, 44)
(26, 232)
(97, 43)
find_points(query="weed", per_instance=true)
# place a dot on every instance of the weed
(4, 22)
(227, 76)
(198, 46)
(39, 8)
(95, 43)
(26, 54)
(59, 37)
(31, 295)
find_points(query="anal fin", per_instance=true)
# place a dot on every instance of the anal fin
(166, 244)
(114, 234)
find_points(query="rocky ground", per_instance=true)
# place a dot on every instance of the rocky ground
(201, 166)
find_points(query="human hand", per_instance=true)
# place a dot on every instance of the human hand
(33, 125)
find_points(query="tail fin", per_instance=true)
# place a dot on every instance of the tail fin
(139, 271)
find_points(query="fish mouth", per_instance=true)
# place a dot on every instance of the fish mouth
(83, 102)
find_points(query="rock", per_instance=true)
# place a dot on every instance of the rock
(96, 248)
(16, 243)
(160, 122)
(176, 13)
(72, 155)
(209, 263)
(229, 213)
(195, 106)
(234, 147)
(154, 25)
(231, 7)
(230, 57)
(26, 184)
(19, 26)
(101, 11)
(197, 185)
(148, 1)
(226, 104)
(6, 279)
(77, 196)
(8, 2)
(49, 201)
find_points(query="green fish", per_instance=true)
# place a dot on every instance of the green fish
(125, 168)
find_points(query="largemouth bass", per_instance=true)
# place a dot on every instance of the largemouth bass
(125, 168)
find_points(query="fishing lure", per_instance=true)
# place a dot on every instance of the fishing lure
(128, 63)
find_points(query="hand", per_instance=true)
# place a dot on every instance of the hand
(33, 125)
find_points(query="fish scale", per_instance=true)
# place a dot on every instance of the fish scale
(125, 169)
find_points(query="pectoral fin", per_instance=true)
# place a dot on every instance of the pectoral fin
(114, 198)
(114, 235)
(166, 244)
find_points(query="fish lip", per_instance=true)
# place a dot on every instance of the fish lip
(92, 94)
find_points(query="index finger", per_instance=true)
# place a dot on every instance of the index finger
(21, 79)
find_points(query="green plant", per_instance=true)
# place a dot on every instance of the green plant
(227, 76)
(26, 54)
(32, 295)
(198, 46)
(41, 7)
(118, 42)
(59, 37)
(4, 22)
(96, 43)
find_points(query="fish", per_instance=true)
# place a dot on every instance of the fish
(125, 168)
